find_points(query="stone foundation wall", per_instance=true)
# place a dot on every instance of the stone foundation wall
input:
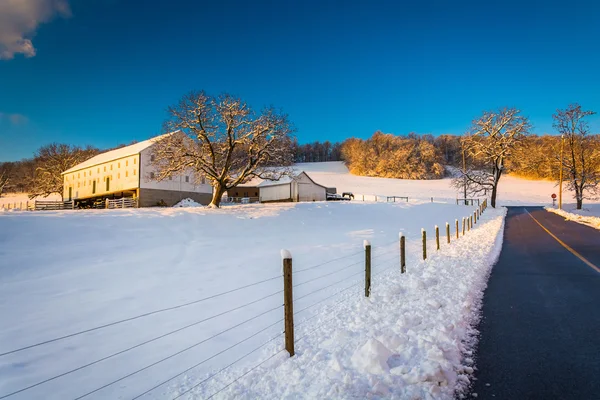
(151, 197)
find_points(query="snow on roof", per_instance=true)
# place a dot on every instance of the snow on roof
(117, 153)
(259, 182)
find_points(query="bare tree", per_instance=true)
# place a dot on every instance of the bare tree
(53, 159)
(3, 180)
(225, 141)
(582, 159)
(489, 143)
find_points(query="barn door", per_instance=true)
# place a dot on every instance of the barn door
(70, 193)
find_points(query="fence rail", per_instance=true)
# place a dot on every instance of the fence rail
(356, 270)
(379, 198)
(241, 200)
(123, 202)
(468, 202)
(53, 205)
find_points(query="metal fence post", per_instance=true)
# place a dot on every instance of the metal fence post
(288, 301)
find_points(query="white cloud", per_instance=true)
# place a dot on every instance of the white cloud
(19, 20)
(15, 119)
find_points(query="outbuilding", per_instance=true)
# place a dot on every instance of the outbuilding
(298, 187)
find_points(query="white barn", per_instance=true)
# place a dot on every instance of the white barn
(127, 172)
(299, 187)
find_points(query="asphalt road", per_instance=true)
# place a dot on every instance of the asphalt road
(540, 331)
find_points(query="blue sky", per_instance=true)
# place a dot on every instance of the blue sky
(105, 70)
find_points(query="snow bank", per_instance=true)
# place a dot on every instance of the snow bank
(585, 217)
(188, 203)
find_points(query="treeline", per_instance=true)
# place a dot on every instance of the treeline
(390, 156)
(317, 152)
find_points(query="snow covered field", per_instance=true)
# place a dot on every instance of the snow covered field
(64, 272)
(511, 191)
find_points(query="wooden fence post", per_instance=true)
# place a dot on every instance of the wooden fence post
(424, 237)
(288, 301)
(437, 237)
(457, 236)
(475, 217)
(464, 227)
(402, 254)
(471, 226)
(448, 232)
(367, 246)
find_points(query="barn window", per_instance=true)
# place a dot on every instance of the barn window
(78, 184)
(111, 167)
(151, 175)
(134, 161)
(118, 165)
(152, 158)
(134, 171)
(78, 175)
(90, 173)
(105, 168)
(126, 174)
(83, 183)
(187, 179)
(126, 163)
(170, 178)
(118, 176)
(203, 180)
(98, 169)
(84, 174)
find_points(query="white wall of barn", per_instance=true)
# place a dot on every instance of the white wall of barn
(308, 190)
(185, 182)
(122, 174)
(275, 192)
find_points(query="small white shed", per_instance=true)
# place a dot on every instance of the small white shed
(297, 188)
(309, 190)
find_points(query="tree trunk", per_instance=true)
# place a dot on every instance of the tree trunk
(579, 203)
(218, 191)
(493, 197)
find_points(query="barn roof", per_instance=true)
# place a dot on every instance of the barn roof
(117, 153)
(259, 182)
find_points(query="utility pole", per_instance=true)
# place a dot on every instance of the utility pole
(562, 146)
(462, 145)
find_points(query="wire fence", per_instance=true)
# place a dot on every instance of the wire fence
(333, 283)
